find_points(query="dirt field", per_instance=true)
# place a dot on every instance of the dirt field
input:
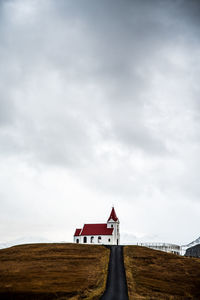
(154, 274)
(53, 271)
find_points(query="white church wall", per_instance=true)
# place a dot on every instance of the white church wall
(116, 235)
(105, 239)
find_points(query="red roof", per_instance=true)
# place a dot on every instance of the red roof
(113, 215)
(96, 229)
(77, 232)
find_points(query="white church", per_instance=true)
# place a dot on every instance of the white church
(105, 233)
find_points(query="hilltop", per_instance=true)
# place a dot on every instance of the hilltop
(77, 271)
(152, 274)
(53, 271)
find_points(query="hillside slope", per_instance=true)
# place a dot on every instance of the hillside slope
(153, 274)
(53, 271)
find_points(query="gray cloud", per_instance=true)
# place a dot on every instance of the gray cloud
(108, 92)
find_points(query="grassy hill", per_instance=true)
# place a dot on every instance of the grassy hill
(53, 271)
(74, 271)
(153, 274)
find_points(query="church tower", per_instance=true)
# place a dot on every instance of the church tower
(113, 222)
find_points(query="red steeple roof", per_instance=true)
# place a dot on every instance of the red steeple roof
(113, 215)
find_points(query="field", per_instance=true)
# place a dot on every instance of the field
(154, 274)
(53, 271)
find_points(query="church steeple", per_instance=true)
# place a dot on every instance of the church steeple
(113, 222)
(113, 215)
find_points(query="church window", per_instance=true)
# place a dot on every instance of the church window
(109, 240)
(85, 239)
(92, 239)
(99, 239)
(77, 240)
(112, 225)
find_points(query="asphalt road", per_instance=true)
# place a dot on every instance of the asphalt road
(116, 286)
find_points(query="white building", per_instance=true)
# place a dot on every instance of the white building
(106, 233)
(166, 247)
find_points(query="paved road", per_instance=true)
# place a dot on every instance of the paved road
(116, 287)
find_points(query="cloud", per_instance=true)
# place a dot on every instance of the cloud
(108, 92)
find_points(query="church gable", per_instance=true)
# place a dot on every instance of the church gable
(77, 232)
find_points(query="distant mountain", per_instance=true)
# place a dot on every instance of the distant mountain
(194, 243)
(193, 251)
(24, 240)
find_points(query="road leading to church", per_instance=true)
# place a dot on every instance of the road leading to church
(116, 287)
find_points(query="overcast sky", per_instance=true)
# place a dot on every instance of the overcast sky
(100, 106)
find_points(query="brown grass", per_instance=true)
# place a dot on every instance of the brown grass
(53, 271)
(154, 274)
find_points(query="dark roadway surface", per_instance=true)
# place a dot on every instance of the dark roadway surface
(116, 286)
